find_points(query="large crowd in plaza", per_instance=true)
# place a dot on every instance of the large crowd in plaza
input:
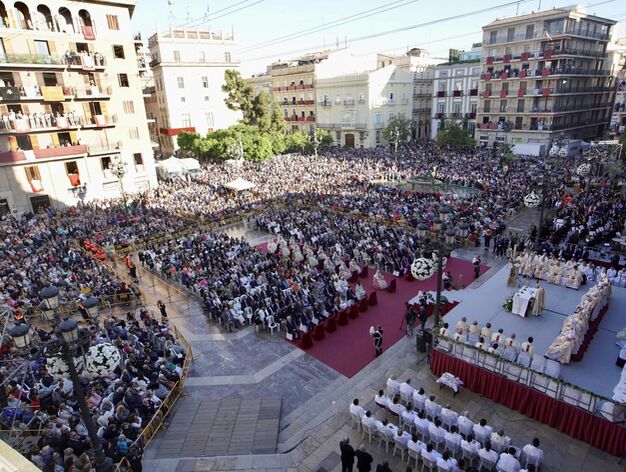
(329, 216)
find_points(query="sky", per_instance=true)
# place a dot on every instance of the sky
(268, 30)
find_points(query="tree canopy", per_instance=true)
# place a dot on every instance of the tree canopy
(398, 128)
(455, 137)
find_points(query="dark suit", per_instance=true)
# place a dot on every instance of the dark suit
(347, 456)
(364, 461)
(382, 468)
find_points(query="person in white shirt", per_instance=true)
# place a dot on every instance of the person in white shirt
(381, 426)
(466, 426)
(393, 386)
(499, 441)
(409, 415)
(367, 419)
(486, 332)
(444, 331)
(395, 406)
(461, 326)
(498, 337)
(406, 390)
(433, 409)
(527, 346)
(474, 329)
(419, 399)
(421, 423)
(381, 399)
(508, 462)
(415, 445)
(453, 437)
(480, 344)
(436, 433)
(402, 437)
(482, 431)
(357, 409)
(532, 454)
(470, 444)
(446, 462)
(488, 454)
(511, 342)
(448, 416)
(430, 454)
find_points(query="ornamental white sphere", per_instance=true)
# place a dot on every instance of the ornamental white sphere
(532, 200)
(422, 268)
(583, 169)
(57, 367)
(562, 152)
(102, 359)
(554, 151)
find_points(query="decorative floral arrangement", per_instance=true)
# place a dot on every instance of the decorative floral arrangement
(102, 359)
(422, 268)
(508, 303)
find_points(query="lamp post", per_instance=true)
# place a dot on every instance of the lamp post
(118, 168)
(437, 245)
(70, 342)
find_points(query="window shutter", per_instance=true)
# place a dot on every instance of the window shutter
(87, 111)
(13, 143)
(55, 139)
(73, 137)
(34, 141)
(52, 47)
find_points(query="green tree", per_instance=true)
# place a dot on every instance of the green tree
(398, 130)
(297, 142)
(185, 140)
(324, 137)
(239, 94)
(454, 136)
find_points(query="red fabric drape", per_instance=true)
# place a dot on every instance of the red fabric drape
(568, 419)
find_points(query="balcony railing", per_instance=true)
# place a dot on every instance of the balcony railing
(104, 148)
(543, 73)
(35, 59)
(85, 61)
(325, 104)
(61, 151)
(310, 118)
(441, 93)
(348, 101)
(542, 35)
(457, 93)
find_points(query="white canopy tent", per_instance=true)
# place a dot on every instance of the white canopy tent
(189, 164)
(239, 185)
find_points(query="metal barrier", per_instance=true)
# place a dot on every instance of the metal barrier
(555, 387)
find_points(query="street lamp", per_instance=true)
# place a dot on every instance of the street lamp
(90, 304)
(70, 343)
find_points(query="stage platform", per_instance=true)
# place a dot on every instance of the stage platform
(596, 372)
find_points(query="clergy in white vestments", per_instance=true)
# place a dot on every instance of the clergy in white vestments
(540, 300)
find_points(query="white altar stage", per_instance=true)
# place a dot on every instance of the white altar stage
(484, 304)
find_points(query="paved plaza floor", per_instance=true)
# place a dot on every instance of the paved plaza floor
(248, 368)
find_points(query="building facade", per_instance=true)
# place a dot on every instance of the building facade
(188, 69)
(618, 116)
(71, 104)
(455, 96)
(545, 74)
(421, 65)
(355, 108)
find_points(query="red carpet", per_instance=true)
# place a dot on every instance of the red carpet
(350, 347)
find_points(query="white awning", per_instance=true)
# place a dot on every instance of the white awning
(239, 185)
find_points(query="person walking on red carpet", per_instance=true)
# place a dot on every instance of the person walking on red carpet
(378, 340)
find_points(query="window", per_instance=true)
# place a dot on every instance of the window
(133, 133)
(205, 82)
(138, 160)
(456, 108)
(441, 108)
(202, 56)
(129, 107)
(442, 86)
(378, 119)
(502, 106)
(105, 164)
(487, 106)
(122, 79)
(493, 38)
(176, 56)
(183, 99)
(458, 85)
(42, 48)
(510, 34)
(186, 120)
(113, 22)
(118, 51)
(530, 31)
(181, 82)
(209, 119)
(206, 98)
(227, 57)
(50, 79)
(520, 105)
(34, 178)
(378, 137)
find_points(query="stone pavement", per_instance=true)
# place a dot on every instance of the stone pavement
(250, 366)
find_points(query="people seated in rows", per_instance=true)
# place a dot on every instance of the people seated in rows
(357, 409)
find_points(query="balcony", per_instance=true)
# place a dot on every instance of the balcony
(441, 93)
(101, 121)
(439, 116)
(348, 101)
(325, 104)
(503, 93)
(32, 60)
(88, 93)
(104, 148)
(53, 152)
(542, 35)
(457, 93)
(310, 118)
(300, 118)
(155, 62)
(141, 63)
(486, 94)
(85, 61)
(42, 124)
(472, 116)
(473, 92)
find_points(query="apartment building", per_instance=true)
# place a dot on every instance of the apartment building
(355, 108)
(545, 74)
(618, 117)
(71, 105)
(261, 82)
(188, 69)
(421, 65)
(455, 96)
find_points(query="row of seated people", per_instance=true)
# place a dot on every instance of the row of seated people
(496, 343)
(424, 432)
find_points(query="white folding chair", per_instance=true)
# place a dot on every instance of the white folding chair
(487, 465)
(553, 368)
(414, 455)
(371, 431)
(398, 447)
(270, 323)
(524, 359)
(355, 420)
(428, 464)
(387, 438)
(453, 447)
(538, 364)
(468, 454)
(406, 397)
(422, 431)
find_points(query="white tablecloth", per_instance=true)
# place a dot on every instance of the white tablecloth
(522, 299)
(450, 381)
